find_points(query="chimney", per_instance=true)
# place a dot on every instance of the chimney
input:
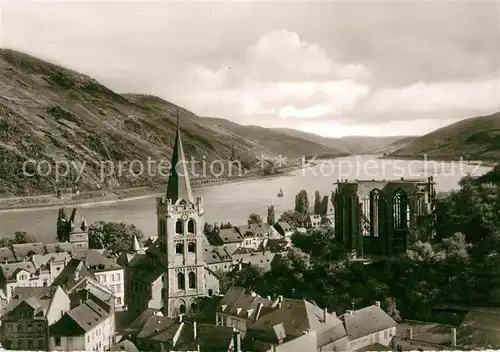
(377, 303)
(325, 315)
(409, 334)
(237, 341)
(350, 312)
(259, 309)
(180, 318)
(195, 330)
(453, 337)
(334, 314)
(280, 301)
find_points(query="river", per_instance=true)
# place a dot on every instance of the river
(234, 202)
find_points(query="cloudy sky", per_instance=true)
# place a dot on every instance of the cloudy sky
(332, 68)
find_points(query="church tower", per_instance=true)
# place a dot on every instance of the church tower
(180, 237)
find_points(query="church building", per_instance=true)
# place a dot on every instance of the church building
(172, 273)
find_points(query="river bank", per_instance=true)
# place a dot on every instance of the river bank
(126, 194)
(485, 163)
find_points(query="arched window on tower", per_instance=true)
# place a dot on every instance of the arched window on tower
(179, 248)
(191, 226)
(191, 247)
(192, 280)
(181, 283)
(400, 210)
(179, 227)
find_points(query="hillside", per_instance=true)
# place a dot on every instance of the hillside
(400, 143)
(476, 138)
(51, 113)
(347, 145)
(276, 141)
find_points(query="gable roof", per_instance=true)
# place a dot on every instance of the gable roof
(284, 226)
(93, 287)
(365, 321)
(72, 273)
(95, 260)
(22, 250)
(79, 320)
(224, 236)
(238, 303)
(215, 254)
(163, 328)
(125, 345)
(145, 273)
(10, 270)
(294, 317)
(40, 260)
(39, 298)
(208, 338)
(135, 326)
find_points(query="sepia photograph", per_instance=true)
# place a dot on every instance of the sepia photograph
(249, 175)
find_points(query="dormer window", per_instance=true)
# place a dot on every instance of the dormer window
(249, 312)
(238, 311)
(223, 307)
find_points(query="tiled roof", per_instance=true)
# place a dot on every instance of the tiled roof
(230, 235)
(21, 251)
(55, 247)
(95, 288)
(238, 303)
(79, 320)
(374, 347)
(136, 326)
(40, 260)
(255, 230)
(95, 260)
(164, 327)
(78, 236)
(208, 338)
(284, 225)
(145, 273)
(126, 346)
(10, 270)
(37, 297)
(261, 259)
(214, 254)
(6, 254)
(72, 273)
(298, 316)
(366, 321)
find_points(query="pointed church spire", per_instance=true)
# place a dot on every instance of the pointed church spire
(178, 187)
(135, 244)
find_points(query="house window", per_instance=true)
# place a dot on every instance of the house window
(40, 327)
(118, 288)
(19, 328)
(30, 344)
(40, 342)
(385, 334)
(192, 280)
(191, 247)
(117, 277)
(58, 341)
(119, 301)
(30, 327)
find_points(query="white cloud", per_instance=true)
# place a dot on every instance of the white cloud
(280, 76)
(437, 96)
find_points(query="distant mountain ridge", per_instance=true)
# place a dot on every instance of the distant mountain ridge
(51, 113)
(475, 138)
(347, 145)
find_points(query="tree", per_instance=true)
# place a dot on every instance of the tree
(271, 215)
(293, 218)
(302, 203)
(23, 237)
(5, 242)
(208, 229)
(391, 309)
(317, 203)
(248, 277)
(113, 236)
(254, 219)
